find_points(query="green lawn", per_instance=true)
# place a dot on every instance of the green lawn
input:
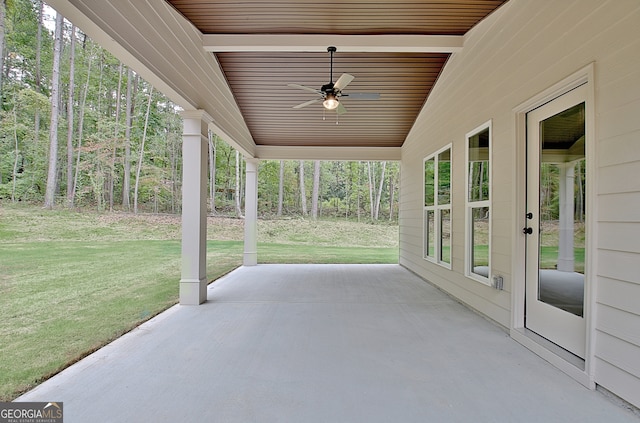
(71, 282)
(549, 258)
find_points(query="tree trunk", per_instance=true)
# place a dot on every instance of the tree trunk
(303, 191)
(212, 171)
(379, 193)
(72, 66)
(281, 188)
(371, 185)
(17, 151)
(116, 136)
(126, 177)
(50, 193)
(316, 190)
(237, 188)
(3, 13)
(173, 159)
(141, 155)
(36, 119)
(392, 194)
(359, 190)
(81, 129)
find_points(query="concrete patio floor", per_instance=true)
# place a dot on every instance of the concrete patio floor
(321, 343)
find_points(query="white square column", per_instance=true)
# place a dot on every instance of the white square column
(251, 214)
(566, 255)
(193, 283)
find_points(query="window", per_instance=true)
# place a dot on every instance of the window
(437, 207)
(478, 204)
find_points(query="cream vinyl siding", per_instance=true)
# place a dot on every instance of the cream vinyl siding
(516, 53)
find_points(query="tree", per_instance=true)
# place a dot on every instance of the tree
(141, 155)
(126, 177)
(303, 193)
(376, 213)
(72, 62)
(3, 13)
(392, 191)
(316, 189)
(372, 182)
(17, 152)
(237, 193)
(49, 198)
(116, 136)
(280, 188)
(212, 170)
(81, 130)
(40, 6)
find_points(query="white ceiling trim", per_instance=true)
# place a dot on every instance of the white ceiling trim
(226, 43)
(270, 152)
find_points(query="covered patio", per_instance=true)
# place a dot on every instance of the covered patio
(374, 343)
(320, 343)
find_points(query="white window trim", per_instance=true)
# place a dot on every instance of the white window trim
(437, 210)
(468, 242)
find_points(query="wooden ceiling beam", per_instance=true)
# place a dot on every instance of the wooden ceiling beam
(226, 43)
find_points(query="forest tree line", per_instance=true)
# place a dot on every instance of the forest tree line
(80, 129)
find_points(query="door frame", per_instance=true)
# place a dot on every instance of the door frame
(581, 371)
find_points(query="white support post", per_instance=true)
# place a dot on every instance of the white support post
(251, 214)
(193, 284)
(565, 245)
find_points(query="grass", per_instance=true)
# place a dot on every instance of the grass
(71, 282)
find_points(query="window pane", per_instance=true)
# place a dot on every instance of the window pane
(480, 241)
(479, 166)
(429, 235)
(445, 236)
(429, 182)
(444, 177)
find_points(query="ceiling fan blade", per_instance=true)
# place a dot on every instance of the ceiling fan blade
(343, 81)
(362, 96)
(302, 87)
(307, 103)
(341, 109)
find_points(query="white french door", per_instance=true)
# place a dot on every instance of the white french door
(555, 230)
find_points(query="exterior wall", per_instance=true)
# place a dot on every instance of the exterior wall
(516, 53)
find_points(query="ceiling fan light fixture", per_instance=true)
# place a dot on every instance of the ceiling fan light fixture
(331, 102)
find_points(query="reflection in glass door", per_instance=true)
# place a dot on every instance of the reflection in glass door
(555, 246)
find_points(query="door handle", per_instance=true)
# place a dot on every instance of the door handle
(527, 231)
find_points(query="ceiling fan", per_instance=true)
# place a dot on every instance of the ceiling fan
(330, 93)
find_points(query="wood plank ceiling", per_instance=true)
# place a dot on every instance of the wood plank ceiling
(259, 79)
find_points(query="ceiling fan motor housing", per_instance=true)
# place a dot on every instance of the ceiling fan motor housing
(328, 88)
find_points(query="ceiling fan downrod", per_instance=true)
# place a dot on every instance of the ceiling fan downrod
(331, 50)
